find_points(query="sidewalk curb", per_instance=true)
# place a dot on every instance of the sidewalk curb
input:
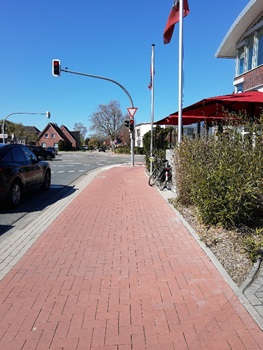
(251, 276)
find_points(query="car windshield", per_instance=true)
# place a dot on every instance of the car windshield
(30, 155)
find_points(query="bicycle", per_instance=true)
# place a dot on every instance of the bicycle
(161, 176)
(156, 164)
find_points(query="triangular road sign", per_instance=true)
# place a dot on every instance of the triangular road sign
(132, 111)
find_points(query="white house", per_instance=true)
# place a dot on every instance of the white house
(140, 131)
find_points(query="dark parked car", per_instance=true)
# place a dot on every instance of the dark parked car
(52, 149)
(102, 149)
(42, 152)
(20, 171)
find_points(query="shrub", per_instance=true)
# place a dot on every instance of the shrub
(138, 150)
(253, 244)
(123, 150)
(222, 177)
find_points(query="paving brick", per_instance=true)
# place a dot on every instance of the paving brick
(117, 270)
(13, 344)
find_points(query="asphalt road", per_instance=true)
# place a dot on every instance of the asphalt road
(66, 169)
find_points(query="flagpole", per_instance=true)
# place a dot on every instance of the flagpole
(152, 105)
(180, 73)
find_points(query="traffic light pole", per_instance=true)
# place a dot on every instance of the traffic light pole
(123, 88)
(3, 122)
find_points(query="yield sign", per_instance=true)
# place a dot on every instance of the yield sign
(132, 111)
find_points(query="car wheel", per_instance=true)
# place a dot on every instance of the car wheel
(47, 181)
(15, 194)
(48, 157)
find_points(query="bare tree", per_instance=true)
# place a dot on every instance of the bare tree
(82, 130)
(108, 120)
(125, 135)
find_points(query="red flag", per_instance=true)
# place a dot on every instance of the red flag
(152, 72)
(151, 78)
(150, 84)
(173, 19)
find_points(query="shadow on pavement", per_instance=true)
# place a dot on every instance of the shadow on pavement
(33, 201)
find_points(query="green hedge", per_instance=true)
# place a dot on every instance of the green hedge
(222, 177)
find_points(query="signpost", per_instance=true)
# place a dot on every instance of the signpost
(132, 111)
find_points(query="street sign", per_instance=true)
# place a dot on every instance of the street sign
(1, 136)
(132, 111)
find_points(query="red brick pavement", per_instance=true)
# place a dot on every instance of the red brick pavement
(117, 270)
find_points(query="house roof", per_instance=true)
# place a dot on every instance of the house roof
(72, 133)
(143, 124)
(247, 18)
(56, 128)
(62, 131)
(31, 129)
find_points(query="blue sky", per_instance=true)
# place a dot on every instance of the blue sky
(111, 39)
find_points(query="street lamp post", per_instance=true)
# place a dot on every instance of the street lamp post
(47, 114)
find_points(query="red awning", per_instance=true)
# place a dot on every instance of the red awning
(219, 107)
(250, 103)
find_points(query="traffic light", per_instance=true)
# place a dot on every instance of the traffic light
(56, 68)
(127, 123)
(131, 125)
(48, 114)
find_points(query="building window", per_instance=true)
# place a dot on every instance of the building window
(250, 54)
(46, 136)
(260, 48)
(52, 136)
(44, 144)
(241, 61)
(239, 88)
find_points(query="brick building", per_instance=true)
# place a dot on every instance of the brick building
(52, 134)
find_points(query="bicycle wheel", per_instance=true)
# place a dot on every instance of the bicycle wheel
(161, 181)
(169, 182)
(153, 177)
(161, 184)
